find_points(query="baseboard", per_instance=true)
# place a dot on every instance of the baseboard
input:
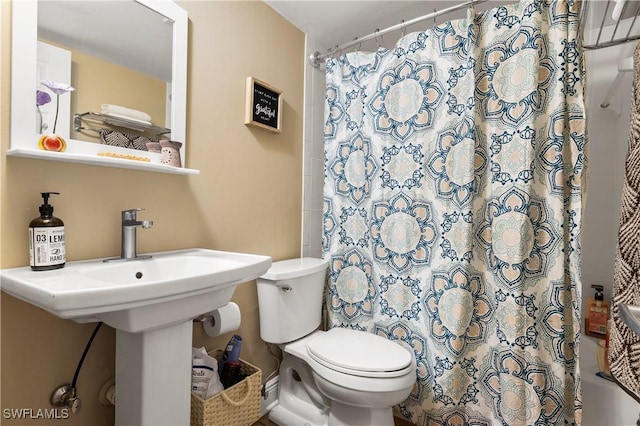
(269, 396)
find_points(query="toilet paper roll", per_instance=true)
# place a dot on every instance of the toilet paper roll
(222, 320)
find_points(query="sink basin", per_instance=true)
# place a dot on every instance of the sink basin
(137, 295)
(151, 303)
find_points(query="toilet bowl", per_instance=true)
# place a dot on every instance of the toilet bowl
(336, 377)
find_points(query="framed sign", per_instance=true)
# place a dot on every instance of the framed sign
(263, 105)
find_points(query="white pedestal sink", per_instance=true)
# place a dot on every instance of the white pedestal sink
(151, 303)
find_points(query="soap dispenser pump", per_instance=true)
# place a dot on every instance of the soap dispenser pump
(597, 314)
(46, 238)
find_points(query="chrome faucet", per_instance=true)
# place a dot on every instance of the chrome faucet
(128, 244)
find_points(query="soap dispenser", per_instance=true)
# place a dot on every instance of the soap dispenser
(46, 239)
(597, 314)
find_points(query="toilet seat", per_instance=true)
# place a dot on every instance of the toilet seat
(359, 353)
(352, 378)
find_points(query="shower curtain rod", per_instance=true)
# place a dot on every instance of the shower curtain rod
(316, 57)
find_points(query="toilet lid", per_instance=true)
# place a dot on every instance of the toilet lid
(294, 268)
(359, 353)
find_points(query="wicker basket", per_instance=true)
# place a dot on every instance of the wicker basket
(237, 406)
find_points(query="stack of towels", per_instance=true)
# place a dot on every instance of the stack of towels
(126, 113)
(122, 139)
(125, 140)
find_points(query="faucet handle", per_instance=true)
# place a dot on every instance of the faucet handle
(130, 214)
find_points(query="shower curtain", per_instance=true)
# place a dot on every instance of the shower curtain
(454, 173)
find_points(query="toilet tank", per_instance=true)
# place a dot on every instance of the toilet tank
(290, 299)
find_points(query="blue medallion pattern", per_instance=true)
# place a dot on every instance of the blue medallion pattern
(519, 237)
(352, 292)
(328, 224)
(507, 89)
(504, 19)
(357, 67)
(353, 168)
(403, 232)
(354, 105)
(571, 61)
(415, 44)
(455, 168)
(517, 320)
(402, 166)
(334, 112)
(555, 147)
(460, 308)
(453, 38)
(354, 227)
(558, 301)
(455, 381)
(400, 298)
(460, 81)
(457, 236)
(511, 156)
(458, 163)
(521, 388)
(406, 99)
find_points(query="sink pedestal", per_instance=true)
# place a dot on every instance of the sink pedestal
(153, 376)
(151, 304)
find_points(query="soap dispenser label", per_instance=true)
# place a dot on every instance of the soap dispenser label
(46, 246)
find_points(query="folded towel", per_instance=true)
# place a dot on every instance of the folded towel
(111, 114)
(126, 112)
(124, 140)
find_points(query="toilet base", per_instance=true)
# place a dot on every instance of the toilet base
(340, 415)
(348, 415)
(283, 416)
(298, 403)
(302, 400)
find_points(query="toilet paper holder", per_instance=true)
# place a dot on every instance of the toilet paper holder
(204, 318)
(223, 320)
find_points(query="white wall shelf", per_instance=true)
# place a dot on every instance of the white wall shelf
(96, 160)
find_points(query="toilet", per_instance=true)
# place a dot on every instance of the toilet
(336, 377)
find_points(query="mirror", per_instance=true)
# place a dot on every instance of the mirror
(101, 73)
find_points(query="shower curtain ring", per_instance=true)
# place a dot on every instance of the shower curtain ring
(334, 52)
(435, 12)
(377, 32)
(357, 45)
(403, 29)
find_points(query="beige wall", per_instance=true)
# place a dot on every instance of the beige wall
(247, 198)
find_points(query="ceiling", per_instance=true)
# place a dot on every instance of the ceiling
(332, 23)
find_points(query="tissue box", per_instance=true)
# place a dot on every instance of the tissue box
(238, 405)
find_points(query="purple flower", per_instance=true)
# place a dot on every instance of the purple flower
(42, 98)
(58, 89)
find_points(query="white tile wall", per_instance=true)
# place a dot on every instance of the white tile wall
(608, 136)
(313, 163)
